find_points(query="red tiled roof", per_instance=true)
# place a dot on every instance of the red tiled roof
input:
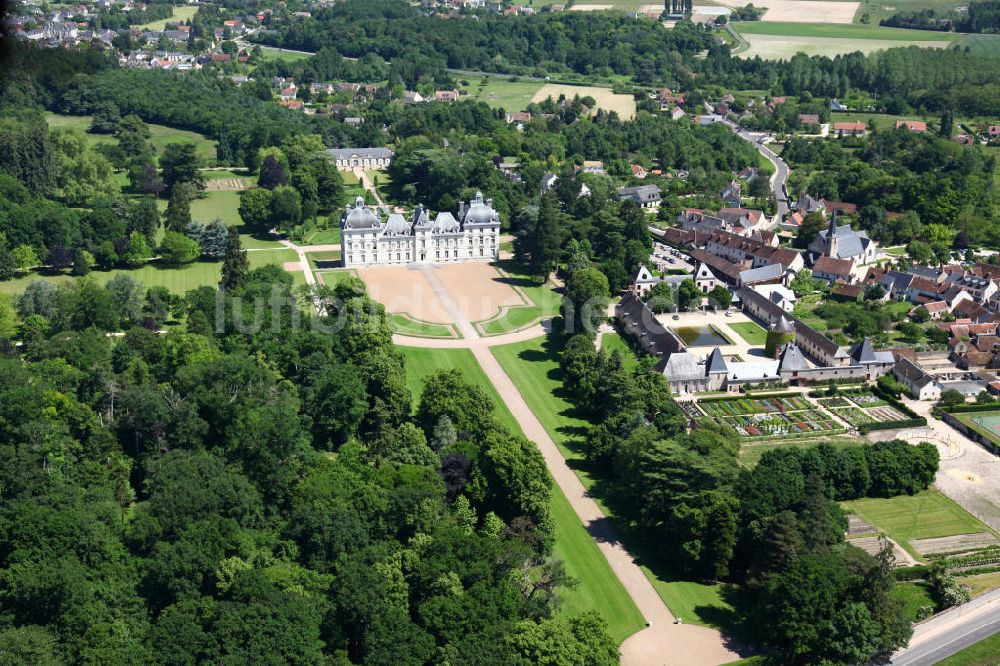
(832, 266)
(912, 125)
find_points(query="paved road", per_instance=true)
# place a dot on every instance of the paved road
(779, 181)
(952, 631)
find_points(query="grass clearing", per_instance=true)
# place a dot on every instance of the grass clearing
(178, 280)
(279, 55)
(926, 515)
(533, 366)
(265, 257)
(599, 588)
(510, 94)
(751, 332)
(180, 14)
(914, 597)
(981, 583)
(160, 135)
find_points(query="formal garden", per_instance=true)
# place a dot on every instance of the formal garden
(862, 407)
(775, 416)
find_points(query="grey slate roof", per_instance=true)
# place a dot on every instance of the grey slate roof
(863, 352)
(792, 359)
(913, 372)
(347, 153)
(716, 362)
(762, 273)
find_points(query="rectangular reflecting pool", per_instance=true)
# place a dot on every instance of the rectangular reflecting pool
(700, 336)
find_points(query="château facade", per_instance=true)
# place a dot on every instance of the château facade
(367, 240)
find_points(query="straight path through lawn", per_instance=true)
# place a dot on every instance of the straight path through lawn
(685, 644)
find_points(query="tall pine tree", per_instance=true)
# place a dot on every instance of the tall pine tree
(235, 266)
(546, 241)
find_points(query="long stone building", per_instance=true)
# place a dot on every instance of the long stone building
(369, 240)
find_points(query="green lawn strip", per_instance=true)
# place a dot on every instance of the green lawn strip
(270, 53)
(324, 257)
(841, 31)
(751, 332)
(323, 236)
(926, 515)
(982, 45)
(598, 589)
(750, 453)
(611, 342)
(217, 174)
(265, 257)
(406, 325)
(349, 178)
(983, 653)
(981, 583)
(533, 366)
(256, 242)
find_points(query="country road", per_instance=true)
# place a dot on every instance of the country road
(779, 181)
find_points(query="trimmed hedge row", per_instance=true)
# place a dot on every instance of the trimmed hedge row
(866, 428)
(964, 409)
(916, 572)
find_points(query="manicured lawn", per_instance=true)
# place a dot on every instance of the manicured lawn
(926, 515)
(598, 587)
(178, 280)
(407, 326)
(751, 332)
(323, 236)
(611, 342)
(181, 13)
(223, 204)
(500, 92)
(265, 257)
(533, 366)
(325, 257)
(254, 243)
(160, 135)
(983, 653)
(914, 597)
(544, 303)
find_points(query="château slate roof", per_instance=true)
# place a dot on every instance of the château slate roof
(716, 362)
(792, 359)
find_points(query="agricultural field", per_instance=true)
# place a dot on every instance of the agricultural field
(806, 11)
(608, 5)
(624, 105)
(510, 94)
(859, 408)
(925, 515)
(181, 13)
(533, 366)
(751, 332)
(598, 588)
(781, 41)
(985, 45)
(766, 418)
(876, 10)
(161, 135)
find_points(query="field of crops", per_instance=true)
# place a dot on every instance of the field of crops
(761, 418)
(858, 409)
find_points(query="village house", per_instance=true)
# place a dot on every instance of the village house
(732, 194)
(833, 270)
(919, 384)
(668, 99)
(809, 119)
(446, 95)
(645, 196)
(856, 128)
(912, 125)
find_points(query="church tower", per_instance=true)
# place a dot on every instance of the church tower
(831, 236)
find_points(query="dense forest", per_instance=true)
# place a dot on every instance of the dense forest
(239, 493)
